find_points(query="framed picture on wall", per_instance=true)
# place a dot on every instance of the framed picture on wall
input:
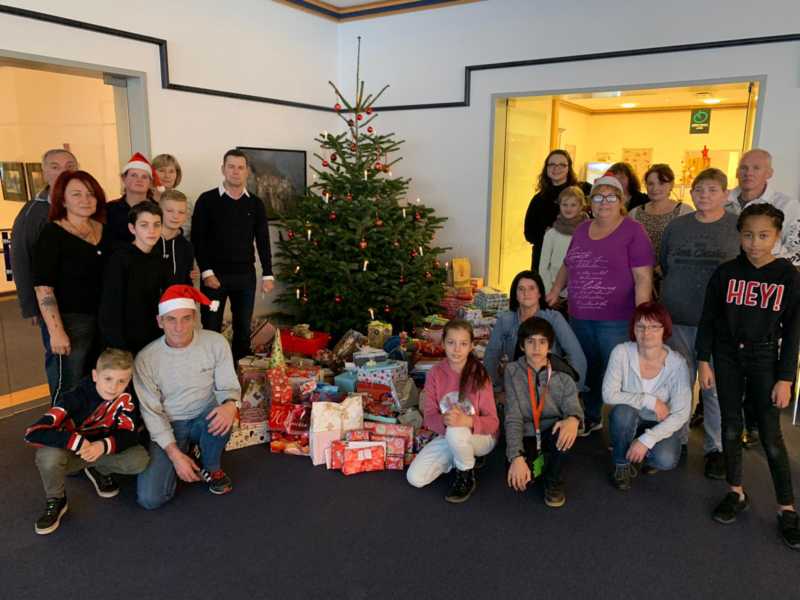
(35, 179)
(15, 187)
(278, 177)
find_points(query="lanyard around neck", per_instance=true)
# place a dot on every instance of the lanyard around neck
(537, 403)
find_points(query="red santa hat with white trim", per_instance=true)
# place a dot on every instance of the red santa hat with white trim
(139, 161)
(184, 296)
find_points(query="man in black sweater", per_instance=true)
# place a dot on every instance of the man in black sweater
(226, 222)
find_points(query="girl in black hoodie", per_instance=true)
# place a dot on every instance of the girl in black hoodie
(750, 326)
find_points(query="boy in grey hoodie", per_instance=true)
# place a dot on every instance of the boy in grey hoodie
(543, 412)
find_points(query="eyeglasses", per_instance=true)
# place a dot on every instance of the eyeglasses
(641, 328)
(610, 199)
(557, 165)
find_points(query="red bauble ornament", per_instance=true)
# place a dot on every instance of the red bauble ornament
(378, 166)
(360, 117)
(368, 110)
(417, 216)
(402, 279)
(325, 163)
(337, 107)
(379, 222)
(362, 244)
(337, 299)
(370, 129)
(349, 197)
(290, 234)
(387, 309)
(304, 299)
(334, 157)
(353, 147)
(332, 216)
(428, 275)
(413, 254)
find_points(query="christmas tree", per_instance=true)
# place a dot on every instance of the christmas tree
(355, 249)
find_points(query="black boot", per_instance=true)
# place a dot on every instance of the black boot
(462, 488)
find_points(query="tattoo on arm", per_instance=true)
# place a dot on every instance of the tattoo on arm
(48, 301)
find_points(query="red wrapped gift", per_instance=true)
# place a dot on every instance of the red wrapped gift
(384, 408)
(280, 389)
(395, 446)
(395, 463)
(376, 391)
(310, 372)
(409, 458)
(363, 460)
(406, 432)
(357, 435)
(283, 443)
(337, 454)
(278, 415)
(299, 418)
(294, 344)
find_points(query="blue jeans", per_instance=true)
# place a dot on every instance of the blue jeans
(625, 424)
(241, 289)
(65, 371)
(598, 339)
(156, 485)
(682, 341)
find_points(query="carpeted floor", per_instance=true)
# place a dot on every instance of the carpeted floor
(290, 530)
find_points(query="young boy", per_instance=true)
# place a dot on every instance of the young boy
(543, 412)
(93, 427)
(692, 247)
(176, 251)
(134, 278)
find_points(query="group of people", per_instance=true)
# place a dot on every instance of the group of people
(638, 335)
(110, 286)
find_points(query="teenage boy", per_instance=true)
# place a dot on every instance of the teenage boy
(134, 278)
(692, 247)
(138, 176)
(92, 427)
(227, 220)
(176, 251)
(543, 412)
(189, 394)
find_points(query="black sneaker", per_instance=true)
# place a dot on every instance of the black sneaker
(554, 496)
(750, 438)
(589, 427)
(480, 462)
(104, 485)
(789, 526)
(218, 482)
(462, 488)
(648, 470)
(715, 465)
(51, 517)
(622, 475)
(730, 507)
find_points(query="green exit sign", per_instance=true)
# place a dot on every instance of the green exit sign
(700, 121)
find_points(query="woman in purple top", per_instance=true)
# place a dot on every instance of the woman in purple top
(609, 267)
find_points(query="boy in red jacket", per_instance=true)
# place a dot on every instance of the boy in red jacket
(94, 428)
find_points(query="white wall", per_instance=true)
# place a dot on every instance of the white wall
(423, 56)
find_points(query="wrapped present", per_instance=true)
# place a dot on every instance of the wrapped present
(319, 442)
(284, 443)
(380, 419)
(461, 270)
(363, 460)
(481, 332)
(395, 446)
(435, 320)
(377, 333)
(357, 435)
(325, 392)
(375, 391)
(382, 372)
(431, 334)
(247, 434)
(411, 417)
(402, 431)
(428, 348)
(343, 416)
(253, 363)
(368, 354)
(348, 344)
(255, 393)
(476, 282)
(395, 463)
(409, 458)
(261, 336)
(338, 447)
(303, 330)
(422, 437)
(305, 372)
(346, 381)
(278, 415)
(293, 344)
(470, 313)
(488, 298)
(407, 394)
(280, 390)
(383, 408)
(299, 418)
(302, 388)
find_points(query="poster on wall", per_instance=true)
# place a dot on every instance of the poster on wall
(12, 175)
(639, 158)
(700, 121)
(278, 177)
(35, 179)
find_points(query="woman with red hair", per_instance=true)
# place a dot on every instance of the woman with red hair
(68, 262)
(647, 386)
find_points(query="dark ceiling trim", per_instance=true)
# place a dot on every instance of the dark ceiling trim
(468, 70)
(341, 14)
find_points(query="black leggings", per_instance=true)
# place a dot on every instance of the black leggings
(746, 372)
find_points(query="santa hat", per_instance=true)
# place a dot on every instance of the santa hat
(609, 179)
(184, 296)
(139, 161)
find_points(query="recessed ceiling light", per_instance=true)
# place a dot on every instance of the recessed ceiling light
(711, 101)
(629, 105)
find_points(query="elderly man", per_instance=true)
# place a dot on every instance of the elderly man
(27, 226)
(189, 394)
(138, 176)
(227, 221)
(754, 173)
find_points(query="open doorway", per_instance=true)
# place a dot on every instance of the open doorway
(689, 127)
